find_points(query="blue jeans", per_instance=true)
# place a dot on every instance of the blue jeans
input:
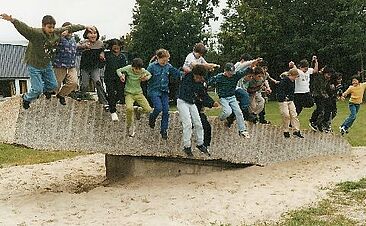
(243, 97)
(161, 104)
(42, 80)
(229, 105)
(353, 108)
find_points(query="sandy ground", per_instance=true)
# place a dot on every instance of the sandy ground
(73, 192)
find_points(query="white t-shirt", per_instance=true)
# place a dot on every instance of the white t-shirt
(302, 83)
(192, 59)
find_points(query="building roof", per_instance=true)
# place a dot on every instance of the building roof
(11, 61)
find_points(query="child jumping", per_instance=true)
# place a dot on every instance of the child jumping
(356, 90)
(133, 75)
(285, 96)
(40, 50)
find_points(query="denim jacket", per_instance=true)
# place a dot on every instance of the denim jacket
(159, 82)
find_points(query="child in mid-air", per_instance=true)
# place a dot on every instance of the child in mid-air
(40, 50)
(356, 90)
(133, 75)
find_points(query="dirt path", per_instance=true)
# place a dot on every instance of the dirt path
(71, 192)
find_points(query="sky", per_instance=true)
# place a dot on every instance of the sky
(111, 17)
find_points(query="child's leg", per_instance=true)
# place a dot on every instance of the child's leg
(238, 114)
(102, 97)
(185, 118)
(226, 109)
(165, 115)
(158, 107)
(293, 116)
(142, 101)
(60, 73)
(85, 77)
(129, 110)
(352, 117)
(49, 79)
(36, 81)
(206, 129)
(71, 82)
(111, 87)
(196, 123)
(285, 112)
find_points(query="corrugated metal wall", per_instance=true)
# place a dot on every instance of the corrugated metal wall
(11, 61)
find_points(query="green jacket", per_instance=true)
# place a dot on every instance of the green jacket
(133, 82)
(41, 47)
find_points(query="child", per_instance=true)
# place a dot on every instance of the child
(190, 85)
(114, 59)
(356, 90)
(92, 58)
(334, 90)
(134, 74)
(40, 50)
(196, 57)
(64, 65)
(285, 96)
(226, 83)
(158, 89)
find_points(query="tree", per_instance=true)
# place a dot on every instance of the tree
(175, 25)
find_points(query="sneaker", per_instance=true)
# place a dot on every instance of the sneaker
(203, 149)
(164, 135)
(61, 99)
(188, 151)
(342, 130)
(151, 122)
(137, 111)
(229, 121)
(106, 107)
(244, 134)
(25, 103)
(298, 134)
(286, 134)
(264, 122)
(131, 131)
(48, 94)
(313, 126)
(114, 116)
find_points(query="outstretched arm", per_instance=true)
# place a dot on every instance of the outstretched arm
(26, 31)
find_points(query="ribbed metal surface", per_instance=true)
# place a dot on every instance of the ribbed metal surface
(12, 61)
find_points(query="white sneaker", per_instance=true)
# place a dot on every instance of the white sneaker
(244, 134)
(131, 131)
(114, 116)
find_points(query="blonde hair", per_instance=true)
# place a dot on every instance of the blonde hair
(293, 72)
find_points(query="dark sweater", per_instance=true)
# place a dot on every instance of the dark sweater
(90, 57)
(112, 63)
(286, 90)
(189, 90)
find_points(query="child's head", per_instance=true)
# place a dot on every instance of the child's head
(246, 57)
(293, 74)
(114, 45)
(356, 80)
(163, 56)
(199, 72)
(258, 73)
(137, 64)
(48, 24)
(66, 32)
(92, 36)
(327, 72)
(199, 50)
(304, 65)
(229, 69)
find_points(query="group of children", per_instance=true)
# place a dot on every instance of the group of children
(51, 59)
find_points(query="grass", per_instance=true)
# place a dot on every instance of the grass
(11, 155)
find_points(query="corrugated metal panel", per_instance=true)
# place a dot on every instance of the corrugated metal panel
(11, 61)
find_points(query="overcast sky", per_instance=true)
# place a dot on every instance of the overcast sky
(111, 17)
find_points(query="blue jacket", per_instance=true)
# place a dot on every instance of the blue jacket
(66, 53)
(159, 81)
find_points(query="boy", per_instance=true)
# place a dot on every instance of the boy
(196, 57)
(40, 50)
(285, 96)
(226, 83)
(357, 91)
(133, 75)
(64, 65)
(190, 86)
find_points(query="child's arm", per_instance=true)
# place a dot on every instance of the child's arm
(146, 75)
(26, 31)
(345, 94)
(73, 28)
(121, 74)
(177, 74)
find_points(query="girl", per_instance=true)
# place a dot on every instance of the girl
(114, 59)
(92, 58)
(356, 90)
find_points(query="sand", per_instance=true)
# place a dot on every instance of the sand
(74, 192)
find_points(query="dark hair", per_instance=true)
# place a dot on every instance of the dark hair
(66, 24)
(160, 53)
(328, 70)
(303, 63)
(48, 20)
(246, 57)
(137, 63)
(86, 32)
(199, 69)
(113, 42)
(356, 77)
(199, 48)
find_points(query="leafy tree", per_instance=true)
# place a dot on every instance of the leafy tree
(175, 25)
